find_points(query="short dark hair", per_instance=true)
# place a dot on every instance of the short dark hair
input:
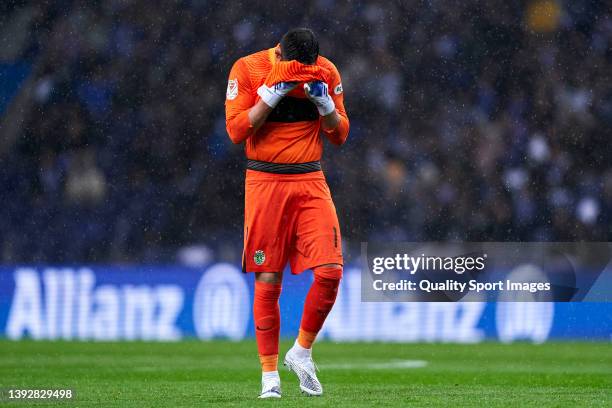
(300, 44)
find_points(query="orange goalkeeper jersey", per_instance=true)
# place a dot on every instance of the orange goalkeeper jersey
(291, 133)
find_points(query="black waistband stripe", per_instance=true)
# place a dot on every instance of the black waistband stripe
(284, 168)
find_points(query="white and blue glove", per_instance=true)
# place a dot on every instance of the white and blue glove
(272, 95)
(318, 94)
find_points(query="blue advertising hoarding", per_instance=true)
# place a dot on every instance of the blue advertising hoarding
(169, 303)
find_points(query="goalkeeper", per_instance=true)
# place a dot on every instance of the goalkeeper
(279, 102)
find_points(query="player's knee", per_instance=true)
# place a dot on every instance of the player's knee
(267, 292)
(328, 278)
(331, 273)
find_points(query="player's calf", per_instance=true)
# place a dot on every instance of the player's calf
(319, 302)
(266, 315)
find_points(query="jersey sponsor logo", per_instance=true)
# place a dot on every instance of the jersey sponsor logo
(260, 257)
(338, 89)
(232, 89)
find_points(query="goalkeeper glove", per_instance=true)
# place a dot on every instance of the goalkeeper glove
(318, 94)
(272, 95)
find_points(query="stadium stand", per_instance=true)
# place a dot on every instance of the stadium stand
(119, 153)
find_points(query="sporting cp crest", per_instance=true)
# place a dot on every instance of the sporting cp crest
(259, 257)
(232, 89)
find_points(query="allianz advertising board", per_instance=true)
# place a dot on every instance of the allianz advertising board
(169, 303)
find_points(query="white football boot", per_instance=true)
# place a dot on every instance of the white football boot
(299, 360)
(270, 385)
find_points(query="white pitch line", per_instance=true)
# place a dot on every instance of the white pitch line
(376, 365)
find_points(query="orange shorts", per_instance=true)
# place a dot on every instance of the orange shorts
(289, 217)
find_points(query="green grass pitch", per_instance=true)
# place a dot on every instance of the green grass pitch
(200, 374)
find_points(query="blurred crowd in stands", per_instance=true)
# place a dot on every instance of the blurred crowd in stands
(470, 120)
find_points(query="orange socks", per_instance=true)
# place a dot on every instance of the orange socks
(305, 339)
(319, 302)
(269, 363)
(266, 314)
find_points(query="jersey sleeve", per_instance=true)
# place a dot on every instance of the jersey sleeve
(239, 98)
(338, 135)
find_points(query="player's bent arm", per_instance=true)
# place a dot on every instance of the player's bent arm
(336, 125)
(248, 122)
(239, 127)
(270, 97)
(258, 114)
(339, 134)
(334, 122)
(330, 122)
(240, 98)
